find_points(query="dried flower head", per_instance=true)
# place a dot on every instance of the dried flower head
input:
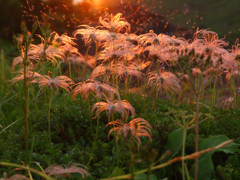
(131, 131)
(126, 71)
(60, 171)
(29, 75)
(54, 83)
(13, 177)
(110, 106)
(115, 23)
(208, 42)
(95, 87)
(64, 39)
(164, 80)
(103, 70)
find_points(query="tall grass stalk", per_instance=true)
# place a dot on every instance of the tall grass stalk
(183, 147)
(132, 163)
(95, 138)
(196, 135)
(2, 63)
(145, 87)
(27, 40)
(69, 68)
(49, 115)
(42, 174)
(171, 161)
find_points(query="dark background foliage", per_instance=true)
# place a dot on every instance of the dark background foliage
(180, 18)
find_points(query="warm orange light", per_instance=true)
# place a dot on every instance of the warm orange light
(96, 2)
(77, 1)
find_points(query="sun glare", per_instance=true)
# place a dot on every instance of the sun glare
(93, 2)
(77, 1)
(96, 2)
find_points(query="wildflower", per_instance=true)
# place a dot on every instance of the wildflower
(29, 74)
(162, 53)
(115, 23)
(103, 70)
(207, 42)
(96, 87)
(126, 71)
(164, 80)
(119, 46)
(60, 171)
(140, 65)
(14, 177)
(154, 39)
(196, 71)
(59, 81)
(230, 66)
(116, 51)
(19, 59)
(89, 34)
(63, 40)
(131, 131)
(51, 53)
(121, 106)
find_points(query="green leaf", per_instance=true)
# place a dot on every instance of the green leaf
(175, 142)
(205, 164)
(143, 176)
(216, 140)
(205, 168)
(117, 172)
(153, 177)
(234, 160)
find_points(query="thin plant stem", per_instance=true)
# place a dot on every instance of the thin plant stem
(69, 68)
(34, 100)
(85, 62)
(3, 61)
(90, 116)
(187, 173)
(95, 138)
(183, 148)
(144, 90)
(96, 50)
(171, 161)
(26, 103)
(126, 86)
(132, 164)
(235, 99)
(49, 116)
(118, 159)
(28, 169)
(196, 135)
(155, 99)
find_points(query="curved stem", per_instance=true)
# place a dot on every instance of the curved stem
(28, 169)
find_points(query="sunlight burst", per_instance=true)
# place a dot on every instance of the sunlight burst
(77, 1)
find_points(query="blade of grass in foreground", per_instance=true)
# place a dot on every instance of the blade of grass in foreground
(28, 169)
(180, 158)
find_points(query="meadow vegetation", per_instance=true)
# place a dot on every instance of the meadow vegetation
(148, 106)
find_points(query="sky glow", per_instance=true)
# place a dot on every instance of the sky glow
(77, 1)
